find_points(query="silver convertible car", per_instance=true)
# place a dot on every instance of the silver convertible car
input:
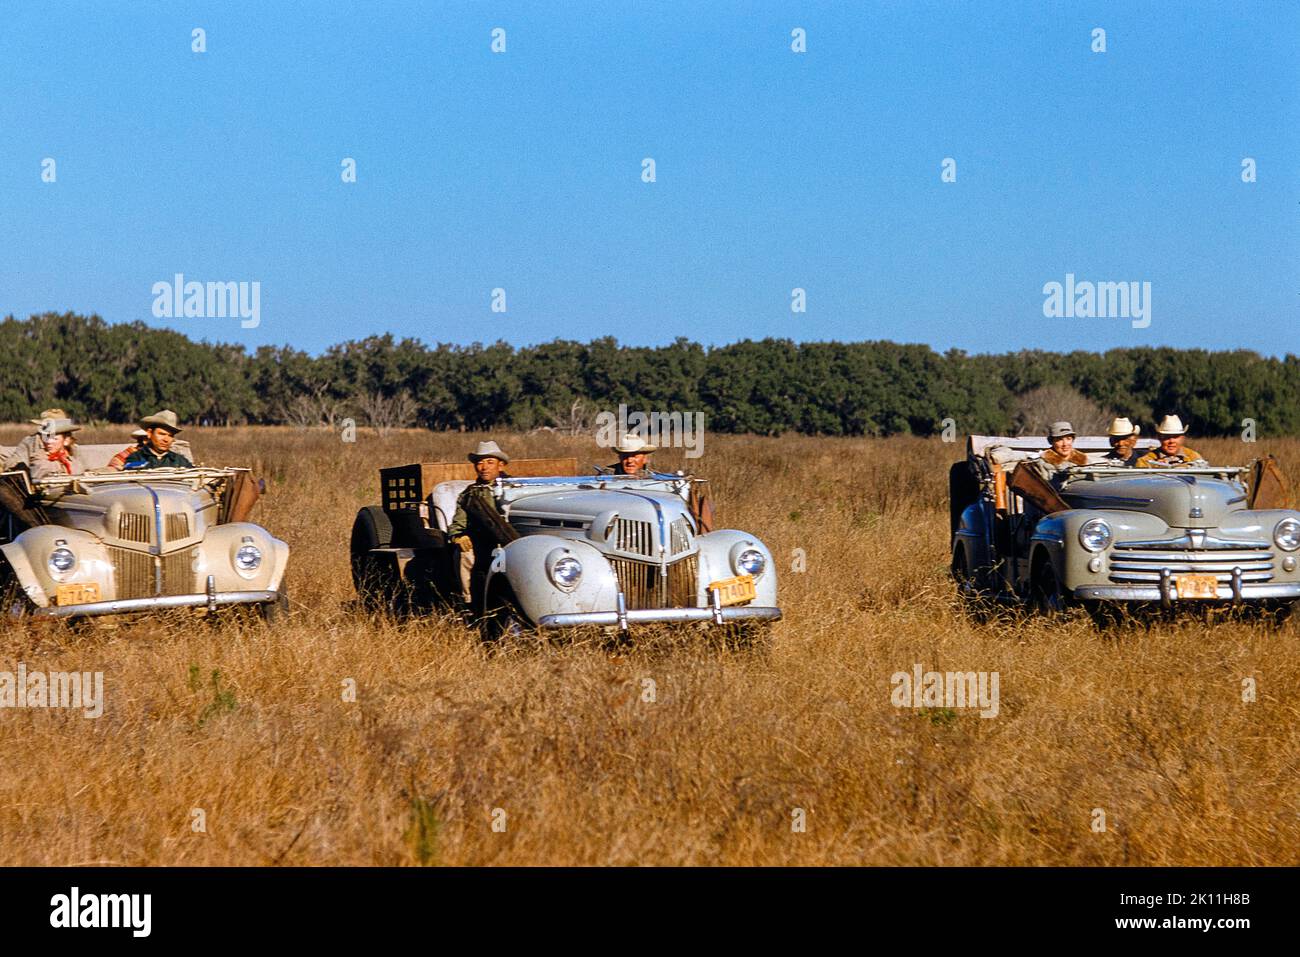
(1103, 535)
(586, 550)
(123, 542)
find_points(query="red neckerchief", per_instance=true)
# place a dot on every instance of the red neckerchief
(61, 456)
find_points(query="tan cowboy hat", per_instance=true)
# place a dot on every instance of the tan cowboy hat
(49, 414)
(633, 444)
(488, 450)
(1171, 425)
(1121, 427)
(1059, 430)
(61, 426)
(165, 419)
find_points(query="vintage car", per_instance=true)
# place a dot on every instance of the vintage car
(1106, 536)
(108, 543)
(585, 550)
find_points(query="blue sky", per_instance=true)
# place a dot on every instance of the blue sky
(774, 169)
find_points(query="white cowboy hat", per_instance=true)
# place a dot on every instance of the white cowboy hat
(1058, 430)
(633, 444)
(488, 450)
(139, 434)
(166, 419)
(1171, 425)
(1121, 427)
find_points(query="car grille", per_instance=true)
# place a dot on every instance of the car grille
(133, 527)
(177, 526)
(134, 572)
(643, 585)
(136, 527)
(1144, 565)
(680, 537)
(634, 537)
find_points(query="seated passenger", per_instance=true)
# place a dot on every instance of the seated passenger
(58, 455)
(30, 444)
(469, 533)
(1172, 451)
(1123, 436)
(118, 461)
(1062, 454)
(633, 457)
(155, 452)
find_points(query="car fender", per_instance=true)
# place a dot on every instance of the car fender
(716, 550)
(29, 553)
(523, 564)
(216, 558)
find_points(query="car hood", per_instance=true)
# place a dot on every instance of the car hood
(1181, 501)
(160, 515)
(637, 523)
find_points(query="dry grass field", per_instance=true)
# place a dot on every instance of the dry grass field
(1144, 722)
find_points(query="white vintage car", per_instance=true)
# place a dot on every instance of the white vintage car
(591, 550)
(123, 542)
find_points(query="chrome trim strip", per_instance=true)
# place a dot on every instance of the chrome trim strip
(638, 616)
(127, 605)
(1152, 592)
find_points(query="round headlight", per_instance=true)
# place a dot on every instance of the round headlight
(248, 558)
(750, 562)
(62, 560)
(566, 572)
(1094, 535)
(1287, 534)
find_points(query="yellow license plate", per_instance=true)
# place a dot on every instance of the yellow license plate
(1197, 586)
(78, 594)
(734, 591)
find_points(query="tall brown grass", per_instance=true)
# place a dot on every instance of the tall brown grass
(1146, 723)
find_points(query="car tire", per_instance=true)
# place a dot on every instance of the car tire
(374, 581)
(1046, 594)
(502, 621)
(275, 612)
(14, 603)
(754, 637)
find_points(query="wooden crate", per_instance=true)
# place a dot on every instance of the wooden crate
(406, 486)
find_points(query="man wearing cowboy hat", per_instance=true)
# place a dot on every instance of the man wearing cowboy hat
(633, 457)
(1172, 451)
(30, 444)
(1123, 436)
(1062, 454)
(474, 540)
(58, 456)
(155, 452)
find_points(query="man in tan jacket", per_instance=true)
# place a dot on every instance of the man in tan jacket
(1173, 450)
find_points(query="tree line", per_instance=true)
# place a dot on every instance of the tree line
(117, 372)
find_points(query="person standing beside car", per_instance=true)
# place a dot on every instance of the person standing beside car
(155, 452)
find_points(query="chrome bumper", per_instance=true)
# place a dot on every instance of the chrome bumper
(622, 617)
(1164, 591)
(124, 606)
